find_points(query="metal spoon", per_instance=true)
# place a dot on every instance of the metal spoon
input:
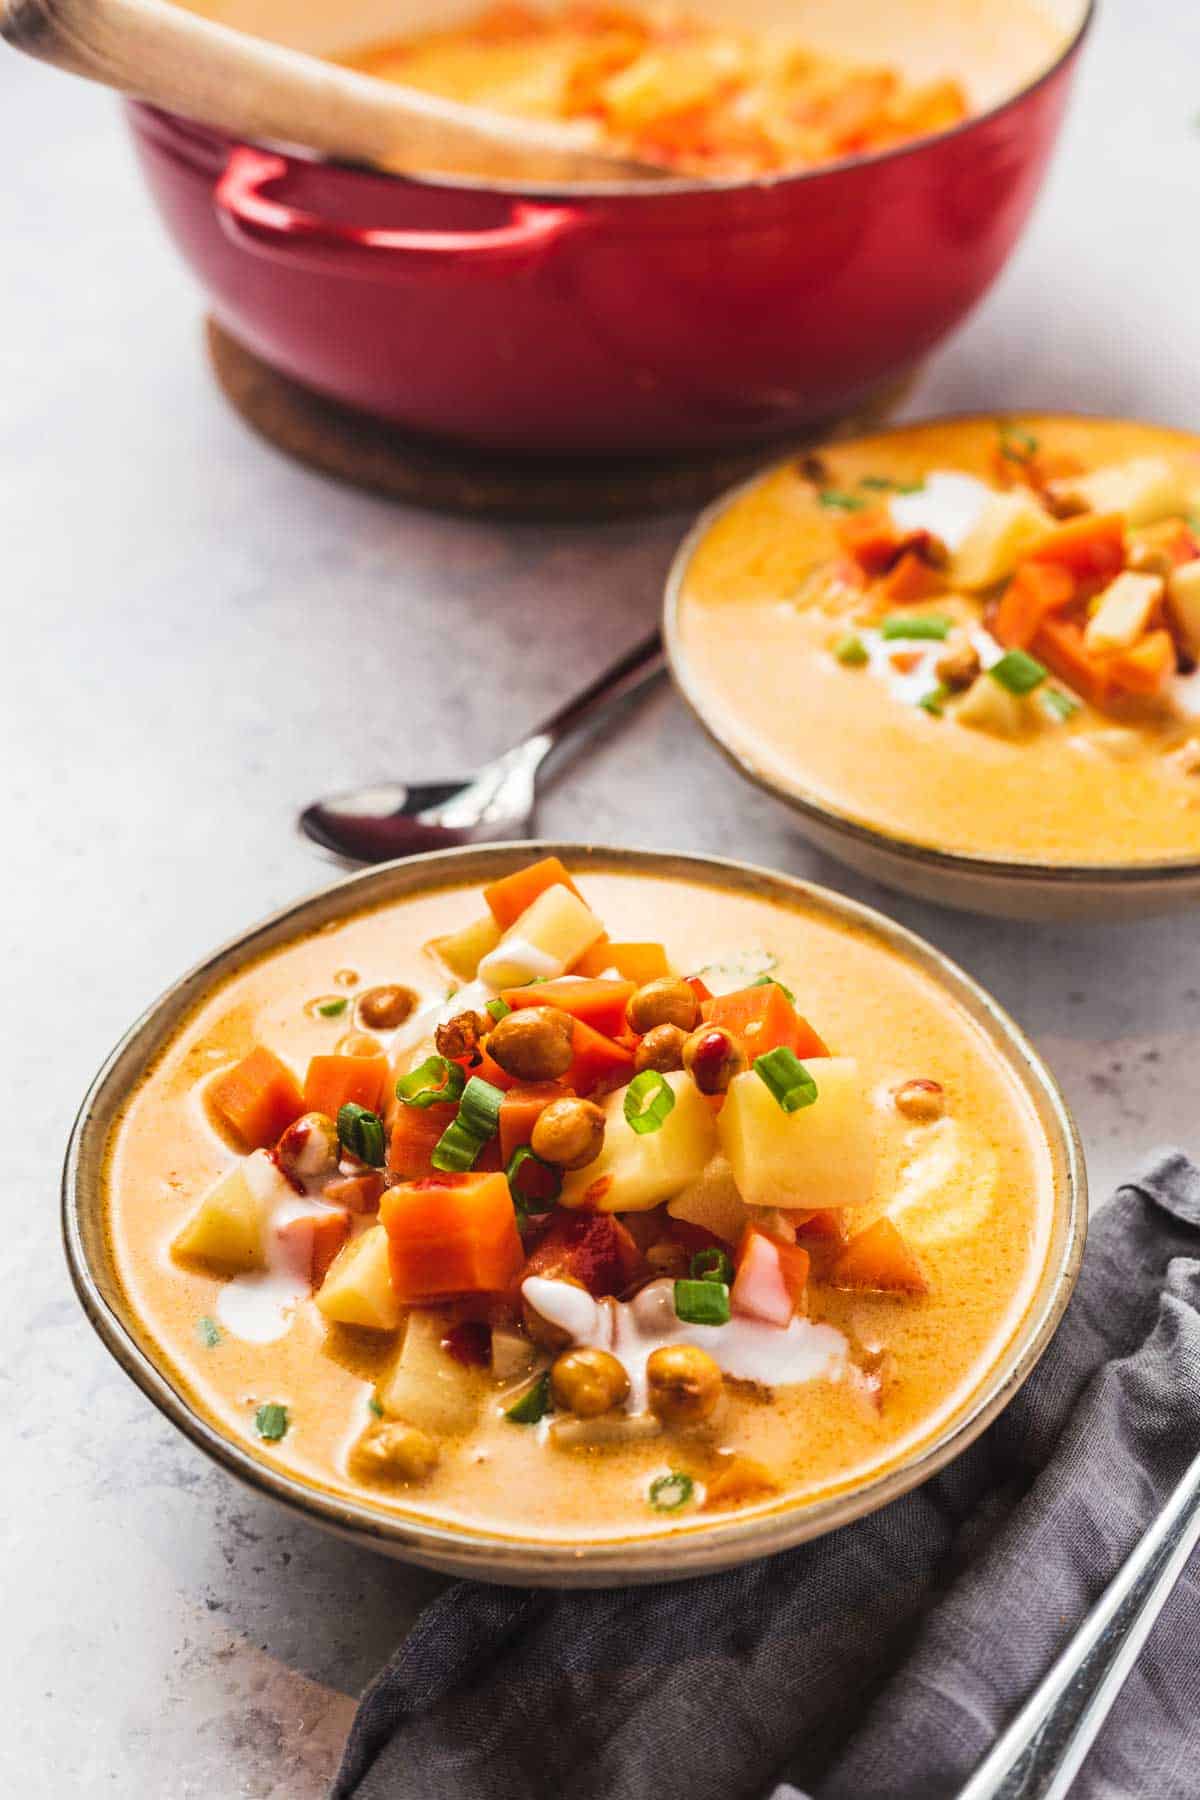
(1042, 1751)
(375, 824)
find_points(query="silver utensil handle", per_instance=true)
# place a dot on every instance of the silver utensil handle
(1041, 1752)
(621, 681)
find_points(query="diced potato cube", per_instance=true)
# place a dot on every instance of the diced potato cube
(712, 1201)
(987, 706)
(822, 1155)
(1183, 604)
(1008, 526)
(229, 1227)
(1144, 489)
(1123, 611)
(461, 950)
(426, 1386)
(512, 1353)
(672, 79)
(638, 1170)
(548, 937)
(358, 1288)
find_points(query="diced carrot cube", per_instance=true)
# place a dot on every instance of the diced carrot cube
(771, 1279)
(1060, 645)
(765, 1019)
(909, 578)
(872, 539)
(1036, 590)
(1147, 665)
(596, 1061)
(357, 1193)
(1092, 546)
(519, 1113)
(257, 1099)
(336, 1081)
(828, 1226)
(638, 963)
(415, 1132)
(599, 1003)
(592, 1248)
(514, 894)
(450, 1235)
(489, 1070)
(316, 1237)
(878, 1258)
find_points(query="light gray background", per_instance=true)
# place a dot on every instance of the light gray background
(197, 638)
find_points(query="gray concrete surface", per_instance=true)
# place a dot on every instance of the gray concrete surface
(176, 604)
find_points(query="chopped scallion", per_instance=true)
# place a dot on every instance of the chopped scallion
(534, 1403)
(931, 626)
(361, 1132)
(884, 484)
(477, 1120)
(669, 1492)
(649, 1100)
(479, 1108)
(374, 1406)
(935, 700)
(791, 1085)
(1059, 705)
(839, 501)
(1015, 442)
(711, 1265)
(851, 651)
(332, 1009)
(1017, 671)
(209, 1332)
(271, 1421)
(434, 1081)
(702, 1302)
(498, 1009)
(531, 1203)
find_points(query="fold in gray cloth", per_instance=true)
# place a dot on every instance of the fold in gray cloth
(881, 1660)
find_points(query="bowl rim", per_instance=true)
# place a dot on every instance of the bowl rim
(673, 186)
(1183, 869)
(490, 1557)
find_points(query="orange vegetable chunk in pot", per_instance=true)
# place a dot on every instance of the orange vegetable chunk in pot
(1091, 547)
(415, 1132)
(596, 1059)
(599, 1003)
(450, 1235)
(638, 963)
(257, 1099)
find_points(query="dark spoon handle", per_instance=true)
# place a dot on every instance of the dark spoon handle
(625, 678)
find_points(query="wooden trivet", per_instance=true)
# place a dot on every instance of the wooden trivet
(372, 454)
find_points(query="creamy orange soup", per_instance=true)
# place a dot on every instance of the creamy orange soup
(670, 88)
(832, 1228)
(978, 636)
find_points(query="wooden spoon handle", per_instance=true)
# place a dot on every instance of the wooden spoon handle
(259, 90)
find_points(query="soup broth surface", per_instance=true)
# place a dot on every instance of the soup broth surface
(973, 1192)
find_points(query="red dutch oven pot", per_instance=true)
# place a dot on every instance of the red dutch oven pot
(610, 320)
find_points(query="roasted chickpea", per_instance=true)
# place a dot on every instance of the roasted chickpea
(568, 1133)
(712, 1057)
(958, 665)
(461, 1035)
(308, 1149)
(358, 1043)
(920, 1099)
(683, 1384)
(383, 1008)
(588, 1382)
(660, 1049)
(534, 1043)
(396, 1451)
(666, 1001)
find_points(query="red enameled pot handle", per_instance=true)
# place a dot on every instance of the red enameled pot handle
(270, 227)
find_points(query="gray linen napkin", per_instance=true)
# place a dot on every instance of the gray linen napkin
(879, 1662)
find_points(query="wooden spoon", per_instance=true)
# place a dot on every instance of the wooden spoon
(258, 90)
